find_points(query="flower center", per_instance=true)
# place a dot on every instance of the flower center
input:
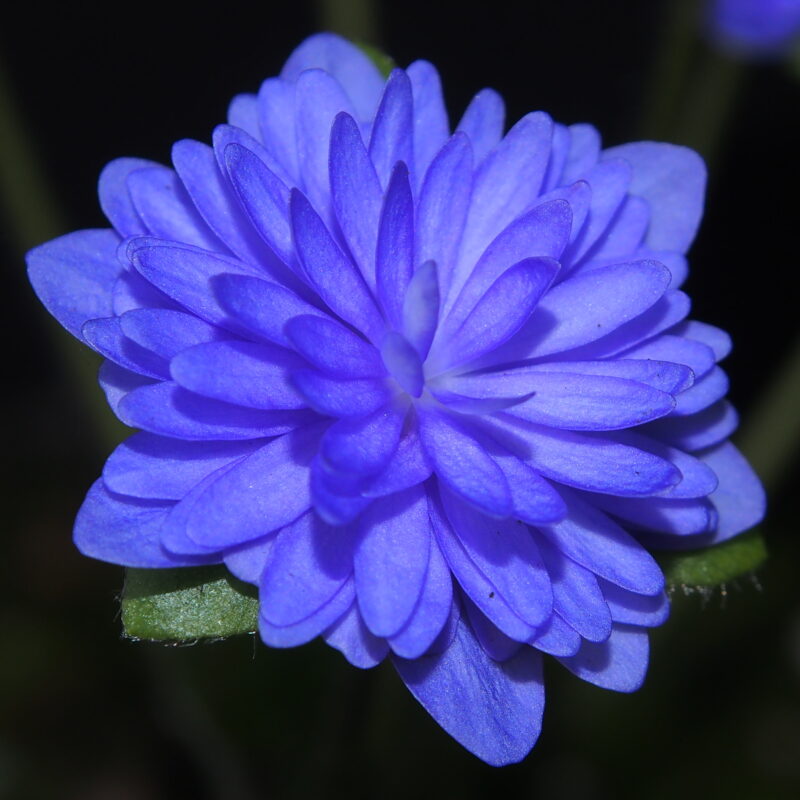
(403, 363)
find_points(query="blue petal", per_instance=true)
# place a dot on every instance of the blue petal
(494, 642)
(502, 310)
(505, 552)
(710, 388)
(577, 597)
(276, 120)
(619, 664)
(319, 99)
(506, 183)
(74, 276)
(167, 409)
(421, 308)
(356, 193)
(243, 113)
(115, 199)
(164, 205)
(391, 560)
(661, 316)
(363, 445)
(157, 467)
(556, 638)
(341, 398)
(673, 180)
(260, 306)
(167, 332)
(333, 348)
(535, 499)
(442, 207)
(350, 636)
(308, 565)
(588, 306)
(590, 462)
(695, 355)
(592, 540)
(394, 263)
(197, 167)
(392, 138)
(311, 627)
(624, 233)
(117, 382)
(247, 561)
(584, 150)
(432, 611)
(243, 373)
(483, 122)
(472, 580)
(265, 491)
(347, 63)
(402, 361)
(408, 467)
(431, 126)
(716, 339)
(635, 609)
(264, 198)
(543, 231)
(334, 276)
(494, 710)
(590, 402)
(704, 429)
(676, 517)
(105, 336)
(184, 274)
(126, 531)
(609, 182)
(739, 499)
(463, 465)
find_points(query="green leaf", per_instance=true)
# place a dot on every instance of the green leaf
(715, 565)
(179, 605)
(384, 63)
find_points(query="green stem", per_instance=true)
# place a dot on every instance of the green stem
(356, 20)
(30, 216)
(770, 437)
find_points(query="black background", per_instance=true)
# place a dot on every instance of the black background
(84, 714)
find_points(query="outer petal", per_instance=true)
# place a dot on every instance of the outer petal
(494, 710)
(347, 63)
(618, 664)
(74, 276)
(673, 180)
(126, 531)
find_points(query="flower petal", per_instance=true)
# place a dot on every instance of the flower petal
(391, 560)
(74, 276)
(351, 637)
(169, 410)
(619, 664)
(308, 565)
(463, 465)
(673, 180)
(124, 530)
(243, 373)
(431, 126)
(341, 398)
(592, 540)
(635, 609)
(431, 612)
(263, 492)
(492, 709)
(115, 199)
(334, 277)
(483, 122)
(392, 138)
(156, 467)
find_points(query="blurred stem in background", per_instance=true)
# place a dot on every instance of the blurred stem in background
(693, 92)
(30, 216)
(354, 19)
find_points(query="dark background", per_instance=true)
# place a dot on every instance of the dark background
(87, 715)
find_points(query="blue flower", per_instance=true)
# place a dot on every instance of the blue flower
(755, 27)
(433, 392)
